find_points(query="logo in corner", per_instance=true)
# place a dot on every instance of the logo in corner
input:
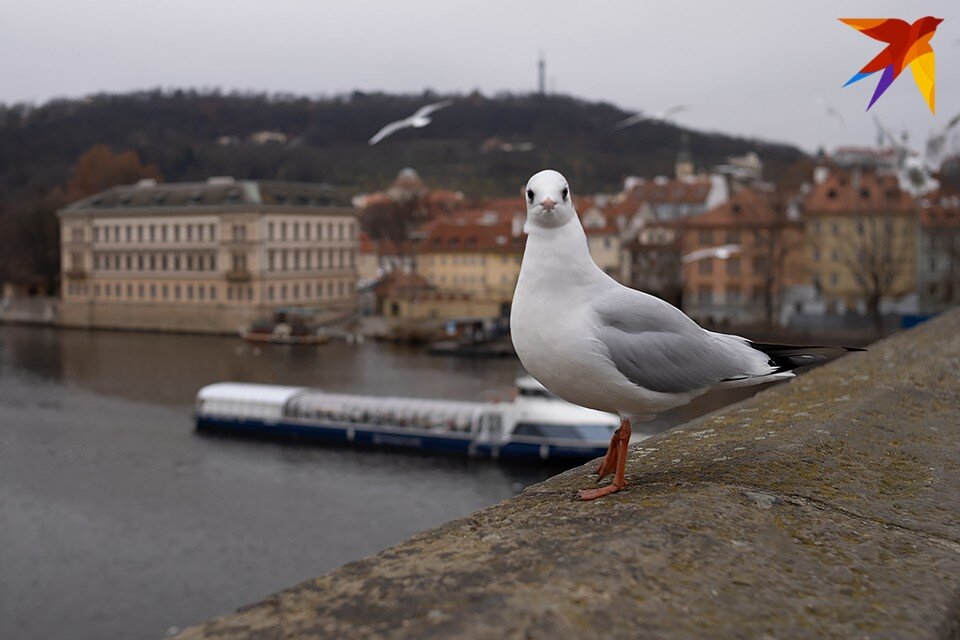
(907, 44)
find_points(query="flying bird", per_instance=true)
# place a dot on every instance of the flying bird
(937, 143)
(907, 44)
(420, 118)
(659, 116)
(832, 112)
(599, 344)
(720, 253)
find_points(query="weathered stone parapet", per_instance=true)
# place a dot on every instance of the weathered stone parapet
(825, 507)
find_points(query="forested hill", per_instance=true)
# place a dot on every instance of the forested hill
(190, 135)
(179, 131)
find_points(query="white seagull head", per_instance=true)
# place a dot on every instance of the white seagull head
(549, 201)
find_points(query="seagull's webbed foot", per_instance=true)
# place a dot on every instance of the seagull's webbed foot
(609, 462)
(593, 494)
(618, 446)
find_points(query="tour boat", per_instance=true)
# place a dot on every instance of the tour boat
(534, 425)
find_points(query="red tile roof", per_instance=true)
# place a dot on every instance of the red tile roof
(857, 192)
(941, 215)
(468, 234)
(745, 208)
(693, 191)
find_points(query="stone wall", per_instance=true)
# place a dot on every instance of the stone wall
(825, 507)
(175, 317)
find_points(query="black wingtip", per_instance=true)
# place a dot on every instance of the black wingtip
(787, 357)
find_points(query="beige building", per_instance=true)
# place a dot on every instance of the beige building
(206, 257)
(860, 230)
(477, 254)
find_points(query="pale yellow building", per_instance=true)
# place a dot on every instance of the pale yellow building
(206, 257)
(860, 231)
(479, 257)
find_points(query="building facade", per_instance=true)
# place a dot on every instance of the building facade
(765, 256)
(477, 254)
(860, 234)
(206, 257)
(938, 253)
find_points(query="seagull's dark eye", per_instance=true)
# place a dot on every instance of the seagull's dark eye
(530, 195)
(565, 193)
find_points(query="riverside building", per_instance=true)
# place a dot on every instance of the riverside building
(207, 256)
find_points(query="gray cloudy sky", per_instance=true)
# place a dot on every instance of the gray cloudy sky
(754, 68)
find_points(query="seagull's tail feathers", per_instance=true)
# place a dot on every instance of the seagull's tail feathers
(787, 357)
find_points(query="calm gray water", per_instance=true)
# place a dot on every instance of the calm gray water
(118, 521)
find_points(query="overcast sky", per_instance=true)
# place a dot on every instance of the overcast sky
(755, 68)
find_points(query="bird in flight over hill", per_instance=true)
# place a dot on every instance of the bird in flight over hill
(594, 342)
(907, 44)
(420, 118)
(659, 116)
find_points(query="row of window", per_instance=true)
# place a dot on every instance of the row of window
(155, 262)
(468, 258)
(207, 232)
(311, 231)
(310, 259)
(143, 232)
(288, 292)
(731, 295)
(306, 291)
(861, 225)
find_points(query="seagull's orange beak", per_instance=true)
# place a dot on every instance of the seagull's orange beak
(548, 204)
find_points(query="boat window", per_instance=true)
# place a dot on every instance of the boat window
(568, 431)
(534, 393)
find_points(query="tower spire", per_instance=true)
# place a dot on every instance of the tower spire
(542, 69)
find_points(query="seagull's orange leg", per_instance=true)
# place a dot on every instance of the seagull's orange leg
(610, 460)
(620, 479)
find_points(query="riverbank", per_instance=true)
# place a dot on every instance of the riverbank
(826, 507)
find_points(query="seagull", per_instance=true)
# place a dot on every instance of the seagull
(832, 112)
(915, 174)
(596, 343)
(936, 145)
(420, 118)
(660, 116)
(722, 252)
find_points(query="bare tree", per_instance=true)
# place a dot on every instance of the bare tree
(773, 248)
(877, 258)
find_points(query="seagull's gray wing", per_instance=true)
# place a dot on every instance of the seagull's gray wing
(632, 120)
(655, 346)
(952, 122)
(669, 111)
(388, 130)
(423, 112)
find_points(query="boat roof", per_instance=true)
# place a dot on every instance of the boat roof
(249, 392)
(560, 412)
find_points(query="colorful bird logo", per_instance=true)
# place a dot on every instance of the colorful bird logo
(906, 44)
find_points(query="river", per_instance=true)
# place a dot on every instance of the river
(117, 520)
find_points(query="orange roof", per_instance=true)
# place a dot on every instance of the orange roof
(461, 234)
(857, 192)
(745, 208)
(400, 282)
(383, 247)
(693, 191)
(942, 215)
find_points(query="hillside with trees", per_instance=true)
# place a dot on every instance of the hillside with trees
(190, 135)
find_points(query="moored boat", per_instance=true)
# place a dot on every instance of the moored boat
(533, 426)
